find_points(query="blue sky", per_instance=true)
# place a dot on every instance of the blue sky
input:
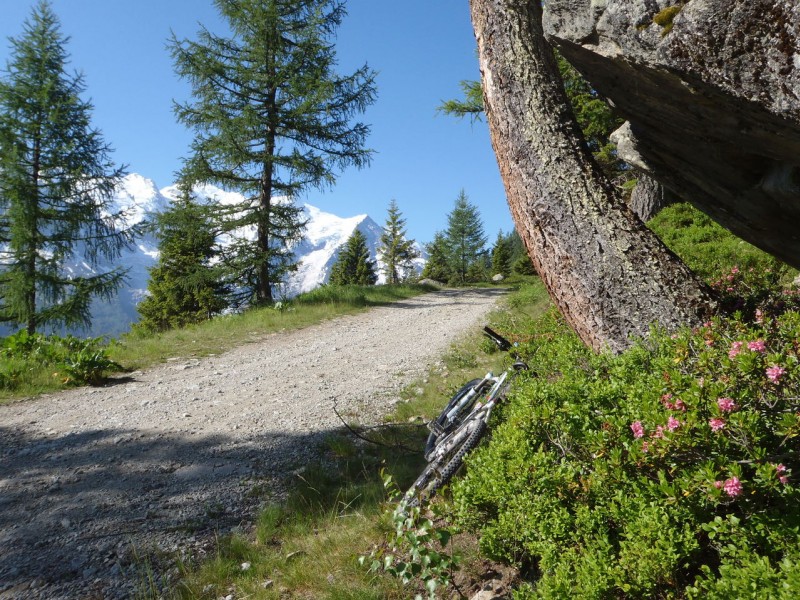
(421, 49)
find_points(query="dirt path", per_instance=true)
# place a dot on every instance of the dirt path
(162, 459)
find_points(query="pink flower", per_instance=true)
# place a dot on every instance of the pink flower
(645, 446)
(784, 479)
(659, 432)
(673, 424)
(757, 346)
(759, 316)
(709, 342)
(680, 405)
(774, 373)
(719, 484)
(638, 430)
(736, 348)
(733, 487)
(716, 424)
(726, 404)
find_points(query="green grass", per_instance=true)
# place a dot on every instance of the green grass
(308, 546)
(706, 247)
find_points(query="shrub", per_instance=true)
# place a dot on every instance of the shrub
(668, 471)
(74, 361)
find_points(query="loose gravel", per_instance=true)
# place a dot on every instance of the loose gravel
(95, 482)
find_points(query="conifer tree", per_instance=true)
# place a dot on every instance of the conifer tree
(184, 287)
(437, 267)
(57, 182)
(354, 265)
(271, 119)
(396, 250)
(465, 237)
(501, 255)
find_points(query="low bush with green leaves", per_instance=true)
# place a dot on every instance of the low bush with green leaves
(669, 471)
(26, 358)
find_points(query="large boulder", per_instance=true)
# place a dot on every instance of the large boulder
(711, 92)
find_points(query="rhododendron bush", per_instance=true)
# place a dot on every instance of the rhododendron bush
(669, 471)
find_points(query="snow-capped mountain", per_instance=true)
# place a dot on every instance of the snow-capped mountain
(139, 199)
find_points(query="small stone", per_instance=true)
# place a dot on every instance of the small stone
(245, 566)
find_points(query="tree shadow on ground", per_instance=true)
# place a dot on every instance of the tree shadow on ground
(76, 508)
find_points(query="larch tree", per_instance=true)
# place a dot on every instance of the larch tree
(186, 285)
(271, 119)
(396, 250)
(354, 265)
(610, 277)
(502, 255)
(57, 184)
(436, 267)
(465, 238)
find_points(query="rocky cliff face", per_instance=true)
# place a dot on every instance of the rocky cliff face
(711, 92)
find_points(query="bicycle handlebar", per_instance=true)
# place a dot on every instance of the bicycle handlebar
(498, 339)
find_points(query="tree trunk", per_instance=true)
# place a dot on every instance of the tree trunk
(610, 276)
(649, 197)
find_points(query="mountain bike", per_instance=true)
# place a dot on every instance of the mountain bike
(462, 424)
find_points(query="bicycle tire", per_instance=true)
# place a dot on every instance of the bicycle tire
(433, 437)
(439, 472)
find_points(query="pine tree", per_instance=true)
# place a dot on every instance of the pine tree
(56, 186)
(437, 267)
(354, 265)
(396, 251)
(501, 255)
(465, 239)
(271, 119)
(184, 287)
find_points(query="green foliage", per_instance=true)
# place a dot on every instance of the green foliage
(706, 247)
(437, 267)
(354, 265)
(56, 186)
(415, 548)
(184, 287)
(70, 360)
(667, 471)
(471, 105)
(396, 250)
(464, 239)
(271, 119)
(502, 253)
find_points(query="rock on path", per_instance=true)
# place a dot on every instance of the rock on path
(93, 479)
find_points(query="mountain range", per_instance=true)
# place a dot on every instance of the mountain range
(139, 198)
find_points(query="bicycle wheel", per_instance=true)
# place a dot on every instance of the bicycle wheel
(440, 471)
(439, 430)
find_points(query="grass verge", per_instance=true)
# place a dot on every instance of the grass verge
(308, 546)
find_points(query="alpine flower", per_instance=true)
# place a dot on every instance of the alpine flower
(774, 373)
(716, 424)
(726, 404)
(638, 430)
(673, 423)
(757, 346)
(733, 487)
(736, 348)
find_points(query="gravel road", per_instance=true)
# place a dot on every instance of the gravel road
(94, 478)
